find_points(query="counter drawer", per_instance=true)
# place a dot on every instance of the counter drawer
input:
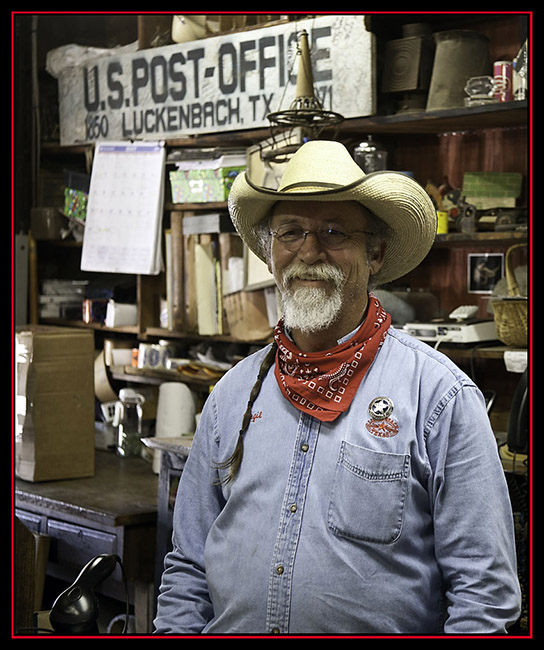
(76, 545)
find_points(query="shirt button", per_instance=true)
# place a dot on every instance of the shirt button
(304, 446)
(275, 630)
(293, 507)
(279, 570)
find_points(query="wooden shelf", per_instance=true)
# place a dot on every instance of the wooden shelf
(126, 329)
(460, 238)
(195, 207)
(441, 239)
(157, 377)
(161, 333)
(481, 351)
(149, 332)
(507, 114)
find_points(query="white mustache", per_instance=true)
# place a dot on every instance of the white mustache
(322, 271)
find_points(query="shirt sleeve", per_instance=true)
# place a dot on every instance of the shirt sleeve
(184, 605)
(474, 530)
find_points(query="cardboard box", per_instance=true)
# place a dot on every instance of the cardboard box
(247, 315)
(54, 428)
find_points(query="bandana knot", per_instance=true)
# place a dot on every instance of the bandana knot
(324, 384)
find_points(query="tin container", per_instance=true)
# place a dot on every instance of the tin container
(502, 74)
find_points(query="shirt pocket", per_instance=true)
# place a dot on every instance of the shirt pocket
(368, 494)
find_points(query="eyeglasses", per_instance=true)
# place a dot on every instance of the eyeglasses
(292, 238)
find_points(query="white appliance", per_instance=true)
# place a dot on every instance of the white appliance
(474, 331)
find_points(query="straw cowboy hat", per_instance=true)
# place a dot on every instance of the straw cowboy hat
(325, 171)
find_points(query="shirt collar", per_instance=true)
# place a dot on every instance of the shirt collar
(339, 342)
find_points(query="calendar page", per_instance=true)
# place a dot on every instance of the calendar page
(124, 212)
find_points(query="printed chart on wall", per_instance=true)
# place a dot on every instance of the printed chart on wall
(124, 213)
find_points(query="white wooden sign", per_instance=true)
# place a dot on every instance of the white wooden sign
(223, 83)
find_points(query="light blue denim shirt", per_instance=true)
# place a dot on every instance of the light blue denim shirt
(330, 529)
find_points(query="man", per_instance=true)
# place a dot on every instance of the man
(345, 479)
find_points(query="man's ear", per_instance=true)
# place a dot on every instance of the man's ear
(376, 262)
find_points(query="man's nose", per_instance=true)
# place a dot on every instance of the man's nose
(311, 249)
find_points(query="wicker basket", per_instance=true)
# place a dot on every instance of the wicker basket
(510, 312)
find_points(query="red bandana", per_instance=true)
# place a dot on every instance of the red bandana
(323, 384)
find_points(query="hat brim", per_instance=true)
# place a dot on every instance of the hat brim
(395, 198)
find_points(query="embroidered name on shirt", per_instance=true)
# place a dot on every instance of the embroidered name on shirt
(380, 424)
(256, 416)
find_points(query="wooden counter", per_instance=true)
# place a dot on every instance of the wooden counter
(115, 511)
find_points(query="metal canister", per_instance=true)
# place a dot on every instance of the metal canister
(502, 74)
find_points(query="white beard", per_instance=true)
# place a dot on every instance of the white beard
(311, 309)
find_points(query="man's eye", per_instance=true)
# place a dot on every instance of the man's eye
(292, 233)
(332, 233)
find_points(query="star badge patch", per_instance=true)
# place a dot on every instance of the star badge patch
(380, 424)
(380, 408)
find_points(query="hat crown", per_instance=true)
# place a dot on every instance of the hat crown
(320, 165)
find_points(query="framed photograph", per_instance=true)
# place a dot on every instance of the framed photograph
(484, 270)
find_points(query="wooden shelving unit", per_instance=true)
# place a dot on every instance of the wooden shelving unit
(430, 125)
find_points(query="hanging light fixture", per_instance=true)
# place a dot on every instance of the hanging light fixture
(305, 113)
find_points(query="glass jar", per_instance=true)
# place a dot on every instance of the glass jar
(128, 420)
(370, 156)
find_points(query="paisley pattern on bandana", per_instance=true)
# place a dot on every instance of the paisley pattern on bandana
(324, 384)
